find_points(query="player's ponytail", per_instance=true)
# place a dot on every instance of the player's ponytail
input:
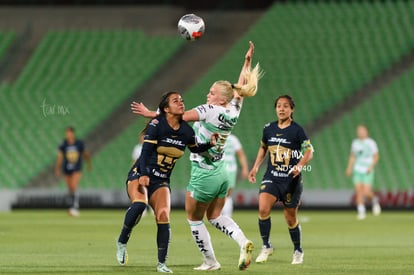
(251, 77)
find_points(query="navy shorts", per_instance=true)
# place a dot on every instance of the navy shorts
(288, 192)
(70, 172)
(154, 182)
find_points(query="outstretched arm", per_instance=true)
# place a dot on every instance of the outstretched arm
(140, 109)
(246, 65)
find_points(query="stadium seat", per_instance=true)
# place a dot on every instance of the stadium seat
(73, 78)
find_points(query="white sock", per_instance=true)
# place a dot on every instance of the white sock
(375, 200)
(361, 209)
(230, 228)
(203, 240)
(228, 207)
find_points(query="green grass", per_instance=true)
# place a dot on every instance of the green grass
(50, 242)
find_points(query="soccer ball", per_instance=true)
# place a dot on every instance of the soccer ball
(191, 27)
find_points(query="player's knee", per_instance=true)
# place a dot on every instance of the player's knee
(264, 212)
(162, 215)
(292, 221)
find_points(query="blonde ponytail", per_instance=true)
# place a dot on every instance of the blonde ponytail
(251, 77)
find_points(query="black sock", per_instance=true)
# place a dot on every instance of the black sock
(132, 217)
(264, 227)
(71, 200)
(163, 240)
(295, 235)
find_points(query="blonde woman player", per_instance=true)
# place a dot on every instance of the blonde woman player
(208, 186)
(362, 160)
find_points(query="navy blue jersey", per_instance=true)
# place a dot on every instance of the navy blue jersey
(285, 146)
(72, 155)
(163, 146)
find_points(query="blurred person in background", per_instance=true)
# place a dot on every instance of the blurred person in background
(233, 150)
(361, 163)
(148, 182)
(289, 151)
(69, 160)
(136, 152)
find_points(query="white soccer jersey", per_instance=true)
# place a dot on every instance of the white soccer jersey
(137, 151)
(230, 148)
(214, 119)
(364, 151)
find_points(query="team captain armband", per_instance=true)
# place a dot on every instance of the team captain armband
(306, 146)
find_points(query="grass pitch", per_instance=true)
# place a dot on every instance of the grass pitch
(50, 242)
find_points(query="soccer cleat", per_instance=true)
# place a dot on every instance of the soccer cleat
(297, 257)
(73, 212)
(376, 209)
(264, 254)
(162, 267)
(245, 255)
(208, 267)
(361, 216)
(121, 253)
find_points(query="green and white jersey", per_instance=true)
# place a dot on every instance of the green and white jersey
(214, 119)
(364, 151)
(230, 148)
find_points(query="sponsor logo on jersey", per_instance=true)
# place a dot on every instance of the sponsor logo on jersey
(174, 142)
(279, 140)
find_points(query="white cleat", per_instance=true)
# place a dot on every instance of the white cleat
(361, 216)
(73, 212)
(376, 209)
(162, 267)
(208, 267)
(297, 257)
(121, 253)
(246, 255)
(264, 254)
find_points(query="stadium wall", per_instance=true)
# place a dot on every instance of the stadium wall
(243, 199)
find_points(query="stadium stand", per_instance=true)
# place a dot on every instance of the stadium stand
(82, 73)
(6, 38)
(387, 115)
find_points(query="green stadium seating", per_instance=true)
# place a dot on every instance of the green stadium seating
(6, 38)
(73, 78)
(388, 117)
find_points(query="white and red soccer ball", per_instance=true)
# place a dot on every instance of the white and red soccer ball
(191, 27)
